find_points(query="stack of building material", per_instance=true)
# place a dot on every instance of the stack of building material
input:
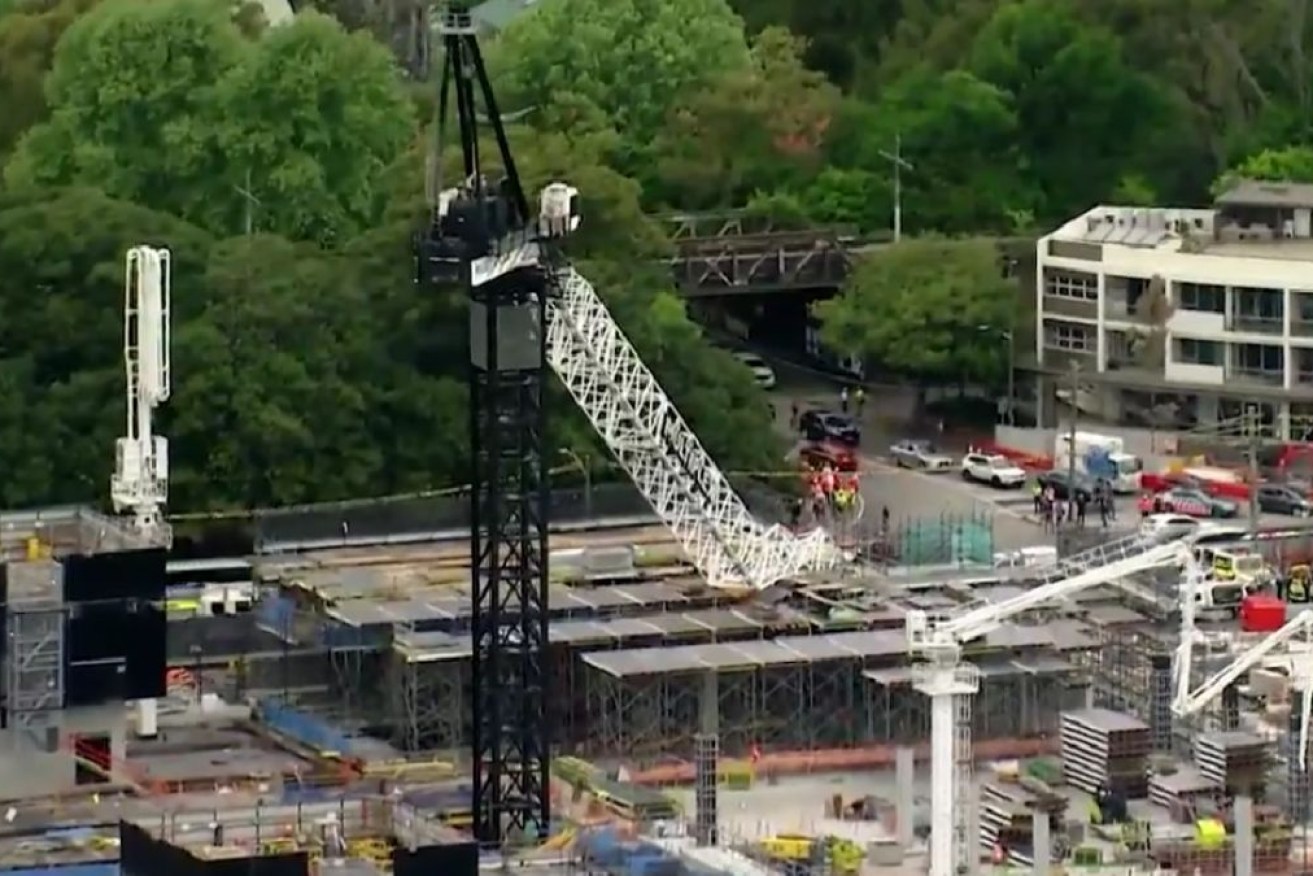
(1106, 750)
(1235, 760)
(1183, 792)
(1007, 813)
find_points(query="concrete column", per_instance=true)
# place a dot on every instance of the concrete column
(1043, 845)
(905, 803)
(973, 829)
(148, 718)
(1244, 835)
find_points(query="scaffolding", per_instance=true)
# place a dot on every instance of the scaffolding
(34, 628)
(810, 693)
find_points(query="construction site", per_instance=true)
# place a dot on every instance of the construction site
(698, 691)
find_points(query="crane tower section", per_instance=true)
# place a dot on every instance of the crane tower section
(482, 238)
(141, 473)
(652, 442)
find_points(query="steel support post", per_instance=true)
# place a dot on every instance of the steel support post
(508, 547)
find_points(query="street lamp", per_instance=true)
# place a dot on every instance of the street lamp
(1006, 336)
(581, 462)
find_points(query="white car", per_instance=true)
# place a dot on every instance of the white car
(997, 471)
(1168, 527)
(762, 374)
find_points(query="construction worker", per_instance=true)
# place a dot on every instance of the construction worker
(859, 398)
(1297, 583)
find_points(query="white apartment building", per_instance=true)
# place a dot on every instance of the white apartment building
(1200, 312)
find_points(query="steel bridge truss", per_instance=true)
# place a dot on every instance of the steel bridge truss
(760, 263)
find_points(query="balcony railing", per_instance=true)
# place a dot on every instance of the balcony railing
(1061, 305)
(1255, 376)
(1117, 309)
(1263, 325)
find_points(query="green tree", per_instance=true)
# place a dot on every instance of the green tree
(132, 96)
(1290, 164)
(61, 373)
(28, 35)
(929, 307)
(960, 136)
(1074, 94)
(314, 114)
(631, 59)
(758, 127)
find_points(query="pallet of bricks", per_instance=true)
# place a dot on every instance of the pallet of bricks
(1108, 751)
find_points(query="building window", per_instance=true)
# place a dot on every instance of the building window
(1190, 351)
(1071, 284)
(1303, 308)
(1070, 336)
(1258, 304)
(1259, 357)
(1201, 297)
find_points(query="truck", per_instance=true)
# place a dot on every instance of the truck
(1099, 457)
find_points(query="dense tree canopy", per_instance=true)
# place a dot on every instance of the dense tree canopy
(285, 167)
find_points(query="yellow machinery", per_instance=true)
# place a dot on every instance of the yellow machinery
(840, 856)
(1210, 833)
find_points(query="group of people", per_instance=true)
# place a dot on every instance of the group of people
(830, 494)
(1054, 512)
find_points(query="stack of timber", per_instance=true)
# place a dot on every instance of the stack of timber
(1106, 750)
(1184, 793)
(1007, 814)
(1235, 760)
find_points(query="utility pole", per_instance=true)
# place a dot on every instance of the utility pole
(252, 202)
(896, 159)
(1252, 439)
(1069, 517)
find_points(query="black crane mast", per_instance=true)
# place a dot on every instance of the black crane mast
(482, 237)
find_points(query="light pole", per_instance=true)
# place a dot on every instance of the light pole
(900, 164)
(581, 462)
(1006, 336)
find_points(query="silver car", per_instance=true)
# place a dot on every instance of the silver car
(920, 455)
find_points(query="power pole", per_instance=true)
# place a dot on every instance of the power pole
(1252, 439)
(1069, 518)
(896, 159)
(252, 202)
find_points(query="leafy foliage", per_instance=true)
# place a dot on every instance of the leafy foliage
(285, 168)
(934, 308)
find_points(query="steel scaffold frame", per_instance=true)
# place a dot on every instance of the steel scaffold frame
(430, 705)
(1022, 704)
(34, 662)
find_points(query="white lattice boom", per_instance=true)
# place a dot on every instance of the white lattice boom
(654, 445)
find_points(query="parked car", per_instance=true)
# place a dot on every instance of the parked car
(997, 471)
(762, 374)
(1190, 502)
(1168, 527)
(911, 453)
(1062, 486)
(816, 455)
(1283, 499)
(830, 426)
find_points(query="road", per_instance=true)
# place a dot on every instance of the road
(914, 497)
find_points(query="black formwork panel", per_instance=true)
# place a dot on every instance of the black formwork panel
(141, 854)
(116, 634)
(448, 859)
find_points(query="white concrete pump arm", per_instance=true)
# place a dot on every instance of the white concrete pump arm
(1211, 689)
(1084, 571)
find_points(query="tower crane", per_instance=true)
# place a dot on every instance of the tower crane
(141, 472)
(950, 683)
(1187, 702)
